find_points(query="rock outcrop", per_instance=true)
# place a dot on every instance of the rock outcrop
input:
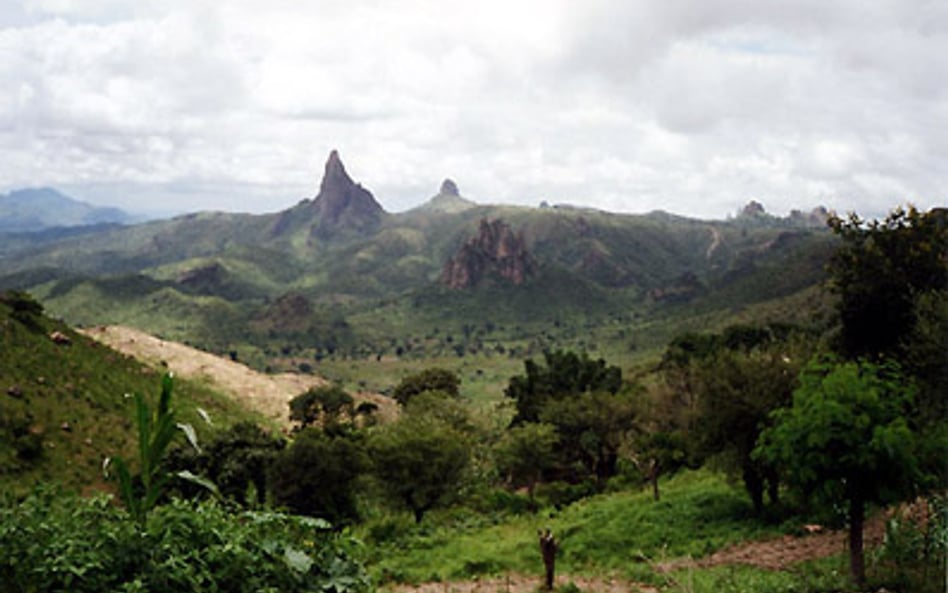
(343, 204)
(342, 208)
(448, 200)
(495, 254)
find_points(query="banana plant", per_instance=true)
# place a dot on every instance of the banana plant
(141, 492)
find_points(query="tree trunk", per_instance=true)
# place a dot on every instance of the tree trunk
(755, 488)
(857, 516)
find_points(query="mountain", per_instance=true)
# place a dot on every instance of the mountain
(338, 274)
(342, 208)
(448, 200)
(29, 210)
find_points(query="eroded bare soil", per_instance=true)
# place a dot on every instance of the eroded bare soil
(266, 394)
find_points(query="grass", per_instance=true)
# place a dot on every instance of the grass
(616, 534)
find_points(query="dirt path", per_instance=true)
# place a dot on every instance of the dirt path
(524, 584)
(267, 394)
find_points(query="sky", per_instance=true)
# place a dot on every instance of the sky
(693, 107)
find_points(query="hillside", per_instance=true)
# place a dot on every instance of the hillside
(64, 405)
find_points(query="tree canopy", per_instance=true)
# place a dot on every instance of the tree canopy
(846, 439)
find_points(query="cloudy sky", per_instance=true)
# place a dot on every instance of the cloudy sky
(690, 106)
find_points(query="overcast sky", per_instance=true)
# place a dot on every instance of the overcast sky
(690, 106)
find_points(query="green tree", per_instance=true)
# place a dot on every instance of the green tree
(327, 405)
(592, 429)
(563, 374)
(846, 440)
(729, 383)
(316, 476)
(879, 272)
(236, 460)
(525, 452)
(419, 461)
(431, 379)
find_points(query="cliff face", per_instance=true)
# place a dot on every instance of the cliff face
(342, 203)
(495, 253)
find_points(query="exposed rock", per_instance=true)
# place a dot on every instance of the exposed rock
(15, 391)
(448, 200)
(342, 208)
(60, 338)
(753, 209)
(496, 252)
(814, 218)
(449, 188)
(683, 289)
(342, 203)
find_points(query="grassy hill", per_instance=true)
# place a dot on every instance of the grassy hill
(63, 404)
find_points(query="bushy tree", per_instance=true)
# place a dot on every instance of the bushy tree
(879, 272)
(316, 476)
(563, 374)
(236, 460)
(846, 440)
(419, 461)
(734, 380)
(526, 452)
(431, 379)
(327, 405)
(592, 428)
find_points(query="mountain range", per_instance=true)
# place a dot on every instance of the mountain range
(38, 209)
(323, 270)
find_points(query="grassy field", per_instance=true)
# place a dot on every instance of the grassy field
(622, 535)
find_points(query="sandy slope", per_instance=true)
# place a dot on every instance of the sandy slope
(267, 394)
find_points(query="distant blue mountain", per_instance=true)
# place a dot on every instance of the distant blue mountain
(37, 209)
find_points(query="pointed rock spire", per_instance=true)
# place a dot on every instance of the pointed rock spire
(342, 204)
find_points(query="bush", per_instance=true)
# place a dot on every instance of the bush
(56, 542)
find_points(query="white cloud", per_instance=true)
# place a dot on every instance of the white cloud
(693, 107)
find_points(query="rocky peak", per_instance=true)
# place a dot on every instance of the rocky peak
(495, 253)
(448, 200)
(343, 204)
(753, 209)
(449, 188)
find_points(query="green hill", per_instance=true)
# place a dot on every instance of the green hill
(63, 403)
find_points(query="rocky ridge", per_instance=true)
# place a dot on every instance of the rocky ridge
(496, 253)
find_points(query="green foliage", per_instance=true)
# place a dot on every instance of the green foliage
(24, 308)
(431, 379)
(592, 428)
(913, 554)
(879, 272)
(419, 460)
(237, 459)
(846, 439)
(142, 491)
(526, 452)
(316, 476)
(564, 374)
(325, 405)
(733, 381)
(58, 542)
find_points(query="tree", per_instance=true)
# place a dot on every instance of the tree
(879, 272)
(846, 439)
(419, 461)
(432, 379)
(564, 374)
(592, 428)
(731, 382)
(326, 404)
(525, 452)
(316, 476)
(236, 460)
